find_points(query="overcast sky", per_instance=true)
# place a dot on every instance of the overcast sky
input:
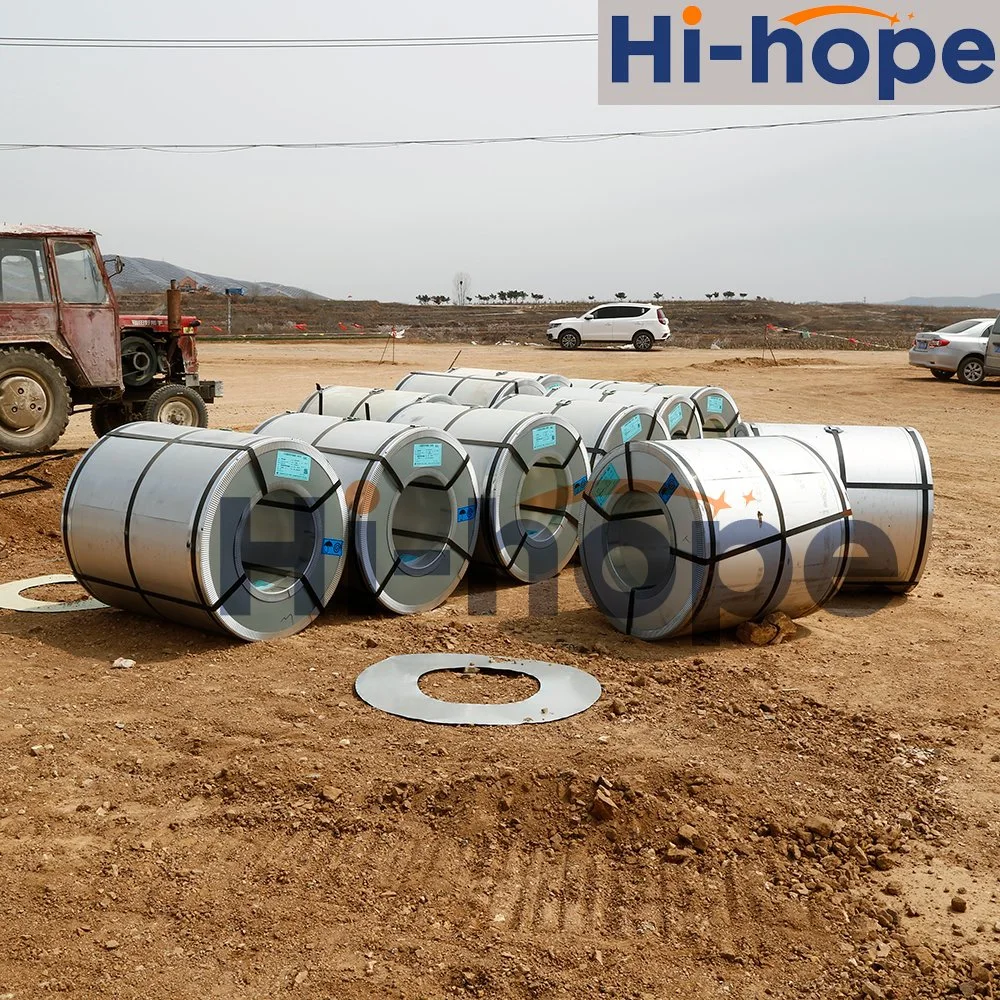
(880, 211)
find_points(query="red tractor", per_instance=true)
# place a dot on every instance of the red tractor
(63, 345)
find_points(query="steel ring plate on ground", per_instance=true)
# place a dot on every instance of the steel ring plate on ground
(11, 598)
(393, 686)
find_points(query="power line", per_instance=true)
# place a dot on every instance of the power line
(456, 41)
(583, 137)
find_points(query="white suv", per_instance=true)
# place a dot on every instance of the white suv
(639, 324)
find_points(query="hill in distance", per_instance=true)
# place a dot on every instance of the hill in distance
(144, 275)
(984, 304)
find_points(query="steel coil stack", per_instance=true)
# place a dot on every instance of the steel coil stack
(548, 380)
(604, 426)
(532, 470)
(589, 383)
(718, 411)
(366, 404)
(887, 474)
(686, 518)
(696, 536)
(412, 499)
(231, 532)
(470, 390)
(677, 413)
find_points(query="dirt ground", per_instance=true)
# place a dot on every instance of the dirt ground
(226, 820)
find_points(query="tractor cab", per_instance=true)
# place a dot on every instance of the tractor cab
(64, 346)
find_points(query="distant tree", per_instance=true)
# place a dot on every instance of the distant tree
(590, 298)
(462, 287)
(440, 300)
(538, 297)
(657, 296)
(743, 295)
(621, 296)
(709, 295)
(423, 299)
(729, 295)
(502, 296)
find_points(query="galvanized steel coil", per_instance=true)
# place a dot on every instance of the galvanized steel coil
(888, 477)
(365, 403)
(412, 500)
(678, 413)
(697, 536)
(548, 379)
(470, 390)
(231, 532)
(604, 426)
(532, 470)
(719, 412)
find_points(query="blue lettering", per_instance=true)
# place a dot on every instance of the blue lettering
(857, 45)
(623, 48)
(692, 56)
(761, 42)
(890, 72)
(953, 55)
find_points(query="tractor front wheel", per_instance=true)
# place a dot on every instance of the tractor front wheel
(178, 405)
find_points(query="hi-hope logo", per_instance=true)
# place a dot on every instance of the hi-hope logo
(769, 52)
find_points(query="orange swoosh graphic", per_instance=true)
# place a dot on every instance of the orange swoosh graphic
(717, 506)
(809, 15)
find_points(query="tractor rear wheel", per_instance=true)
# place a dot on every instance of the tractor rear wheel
(177, 404)
(105, 417)
(35, 402)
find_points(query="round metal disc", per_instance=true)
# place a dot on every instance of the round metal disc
(11, 599)
(393, 686)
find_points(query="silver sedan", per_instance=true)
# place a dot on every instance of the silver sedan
(945, 352)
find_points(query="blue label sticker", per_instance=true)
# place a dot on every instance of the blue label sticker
(669, 488)
(631, 429)
(579, 486)
(543, 437)
(261, 584)
(605, 485)
(333, 547)
(675, 416)
(716, 404)
(467, 513)
(293, 465)
(427, 456)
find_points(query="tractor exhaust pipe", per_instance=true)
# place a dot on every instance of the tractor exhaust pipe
(174, 313)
